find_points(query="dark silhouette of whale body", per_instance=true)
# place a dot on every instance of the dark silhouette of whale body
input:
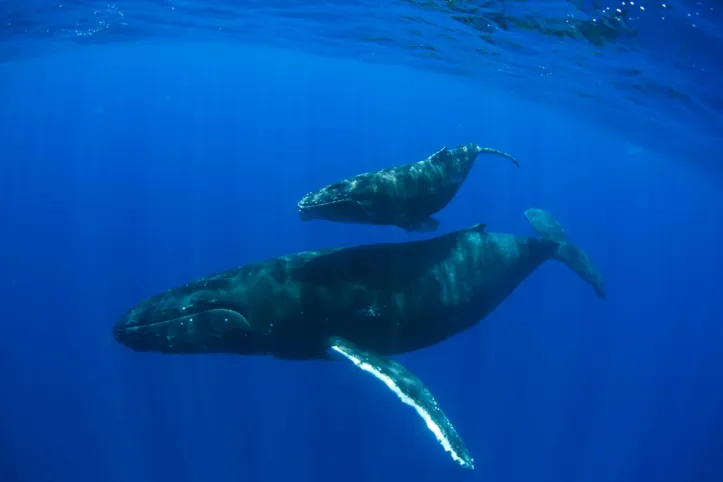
(406, 196)
(362, 303)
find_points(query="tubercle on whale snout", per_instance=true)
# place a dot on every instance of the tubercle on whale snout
(304, 201)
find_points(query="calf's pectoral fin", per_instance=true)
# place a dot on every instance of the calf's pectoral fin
(424, 225)
(411, 391)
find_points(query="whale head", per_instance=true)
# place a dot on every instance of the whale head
(339, 202)
(204, 316)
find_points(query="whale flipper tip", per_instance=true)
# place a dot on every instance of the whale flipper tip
(411, 391)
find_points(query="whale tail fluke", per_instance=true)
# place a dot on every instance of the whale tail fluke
(489, 150)
(576, 259)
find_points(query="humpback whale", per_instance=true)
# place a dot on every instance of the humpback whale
(362, 303)
(405, 196)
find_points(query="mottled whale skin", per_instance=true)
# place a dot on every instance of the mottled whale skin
(405, 196)
(361, 302)
(391, 297)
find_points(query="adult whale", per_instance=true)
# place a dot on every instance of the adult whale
(406, 196)
(362, 302)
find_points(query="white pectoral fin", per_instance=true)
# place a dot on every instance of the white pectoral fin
(411, 391)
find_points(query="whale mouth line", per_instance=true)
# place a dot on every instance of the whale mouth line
(139, 327)
(228, 315)
(319, 204)
(149, 325)
(309, 210)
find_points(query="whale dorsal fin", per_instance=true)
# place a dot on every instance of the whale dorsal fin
(411, 391)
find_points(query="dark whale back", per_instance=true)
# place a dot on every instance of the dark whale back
(505, 261)
(414, 191)
(384, 266)
(400, 297)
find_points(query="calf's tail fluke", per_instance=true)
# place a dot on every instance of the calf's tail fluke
(489, 150)
(576, 259)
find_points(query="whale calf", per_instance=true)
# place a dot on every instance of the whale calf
(405, 196)
(361, 303)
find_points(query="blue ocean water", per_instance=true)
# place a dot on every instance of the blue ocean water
(144, 144)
